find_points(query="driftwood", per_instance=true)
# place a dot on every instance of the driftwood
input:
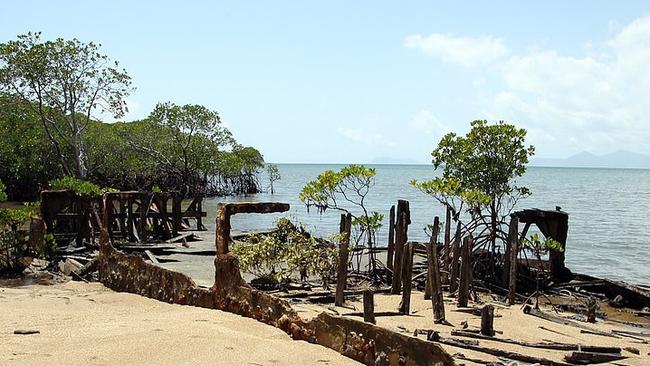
(545, 345)
(586, 358)
(559, 320)
(435, 337)
(151, 257)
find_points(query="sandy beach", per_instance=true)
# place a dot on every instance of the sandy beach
(510, 322)
(88, 324)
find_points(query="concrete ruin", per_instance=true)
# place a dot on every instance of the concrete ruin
(363, 342)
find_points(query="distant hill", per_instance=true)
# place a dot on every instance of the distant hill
(617, 159)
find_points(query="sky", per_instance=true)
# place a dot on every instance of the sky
(376, 81)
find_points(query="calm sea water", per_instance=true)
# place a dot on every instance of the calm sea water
(609, 210)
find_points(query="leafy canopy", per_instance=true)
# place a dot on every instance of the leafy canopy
(64, 82)
(480, 168)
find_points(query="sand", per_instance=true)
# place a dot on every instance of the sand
(88, 324)
(510, 320)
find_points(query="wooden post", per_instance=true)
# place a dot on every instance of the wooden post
(407, 273)
(465, 273)
(199, 217)
(391, 238)
(176, 214)
(513, 238)
(121, 219)
(129, 218)
(399, 251)
(487, 320)
(447, 245)
(164, 223)
(369, 306)
(342, 270)
(453, 268)
(433, 277)
(144, 208)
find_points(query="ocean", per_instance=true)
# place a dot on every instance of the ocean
(608, 210)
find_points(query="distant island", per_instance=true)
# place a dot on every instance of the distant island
(618, 159)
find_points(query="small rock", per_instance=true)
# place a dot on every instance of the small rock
(26, 331)
(633, 350)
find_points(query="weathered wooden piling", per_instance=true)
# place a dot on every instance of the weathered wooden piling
(453, 267)
(465, 272)
(433, 275)
(403, 219)
(401, 237)
(391, 238)
(407, 274)
(342, 270)
(369, 306)
(513, 248)
(447, 245)
(487, 320)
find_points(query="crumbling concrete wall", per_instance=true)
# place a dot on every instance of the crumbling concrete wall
(361, 341)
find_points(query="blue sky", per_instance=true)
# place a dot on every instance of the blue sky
(356, 81)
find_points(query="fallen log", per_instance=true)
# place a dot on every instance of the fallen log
(586, 358)
(435, 337)
(559, 320)
(151, 257)
(545, 345)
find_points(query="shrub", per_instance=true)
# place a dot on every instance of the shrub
(286, 252)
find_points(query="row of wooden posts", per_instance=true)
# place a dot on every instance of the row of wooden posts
(456, 271)
(133, 216)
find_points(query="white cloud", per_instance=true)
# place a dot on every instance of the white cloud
(465, 51)
(569, 103)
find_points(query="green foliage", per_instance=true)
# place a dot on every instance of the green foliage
(273, 173)
(80, 187)
(348, 186)
(3, 194)
(351, 184)
(541, 246)
(25, 151)
(286, 252)
(480, 168)
(64, 82)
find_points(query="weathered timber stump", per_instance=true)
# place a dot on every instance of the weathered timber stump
(369, 306)
(465, 273)
(487, 320)
(407, 272)
(342, 270)
(433, 275)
